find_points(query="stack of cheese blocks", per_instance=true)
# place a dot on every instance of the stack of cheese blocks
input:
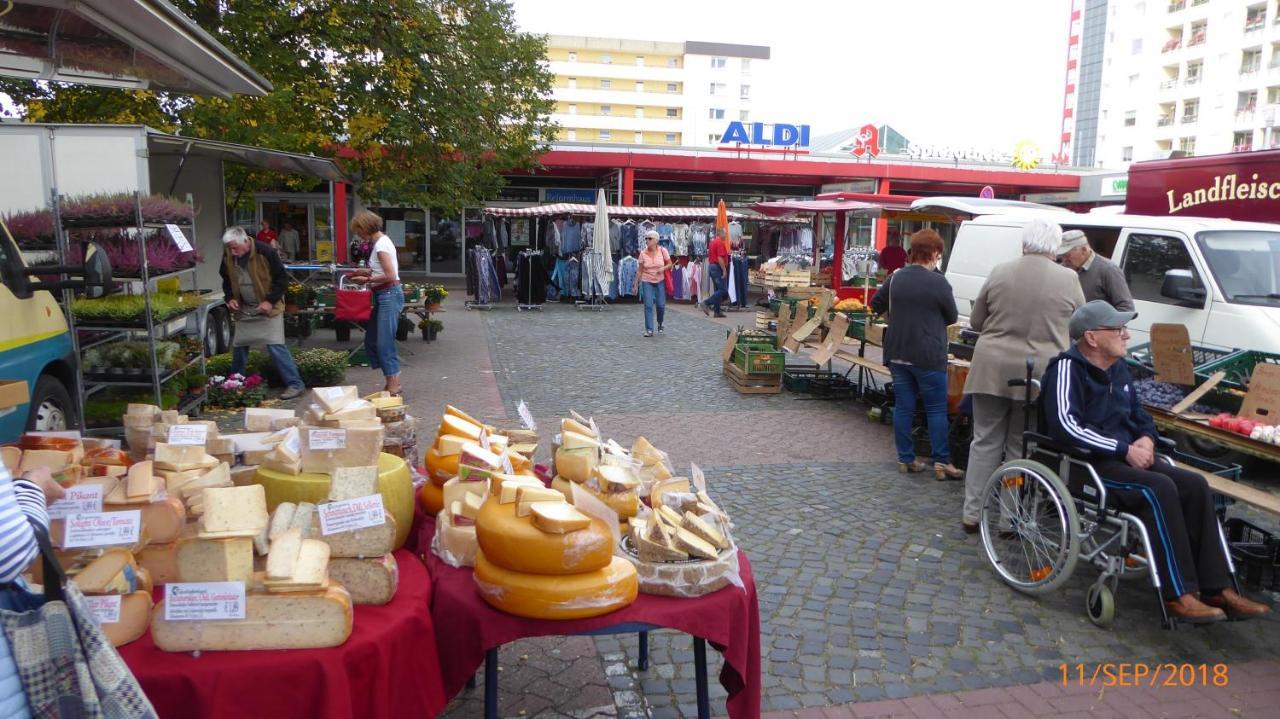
(389, 408)
(580, 459)
(542, 558)
(292, 605)
(115, 572)
(340, 408)
(458, 431)
(653, 463)
(693, 530)
(146, 426)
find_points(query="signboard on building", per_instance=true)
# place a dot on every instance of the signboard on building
(779, 136)
(576, 196)
(1115, 186)
(1243, 186)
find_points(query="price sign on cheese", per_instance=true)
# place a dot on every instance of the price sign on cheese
(105, 609)
(189, 434)
(350, 514)
(292, 443)
(526, 417)
(179, 238)
(506, 463)
(327, 439)
(102, 529)
(203, 601)
(80, 499)
(484, 440)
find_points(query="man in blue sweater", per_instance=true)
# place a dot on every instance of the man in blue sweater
(1090, 404)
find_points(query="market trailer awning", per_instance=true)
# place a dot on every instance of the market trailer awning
(782, 208)
(159, 143)
(565, 208)
(132, 44)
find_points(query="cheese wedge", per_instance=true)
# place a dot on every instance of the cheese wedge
(574, 440)
(115, 572)
(282, 559)
(558, 517)
(138, 485)
(651, 551)
(215, 560)
(353, 482)
(687, 541)
(512, 485)
(525, 436)
(370, 581)
(527, 496)
(358, 410)
(575, 465)
(704, 530)
(178, 456)
(645, 452)
(367, 542)
(55, 460)
(476, 456)
(573, 425)
(258, 419)
(670, 516)
(235, 509)
(661, 488)
(451, 411)
(175, 479)
(615, 479)
(313, 561)
(334, 399)
(459, 427)
(456, 489)
(304, 518)
(281, 519)
(449, 445)
(471, 505)
(659, 472)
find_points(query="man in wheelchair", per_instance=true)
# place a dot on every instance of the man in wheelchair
(1089, 405)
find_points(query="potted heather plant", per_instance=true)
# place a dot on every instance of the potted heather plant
(430, 328)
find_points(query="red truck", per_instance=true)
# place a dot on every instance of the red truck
(1237, 186)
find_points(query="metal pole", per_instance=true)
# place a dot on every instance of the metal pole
(68, 296)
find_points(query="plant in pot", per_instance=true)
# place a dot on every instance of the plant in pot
(94, 361)
(137, 359)
(433, 295)
(430, 328)
(294, 297)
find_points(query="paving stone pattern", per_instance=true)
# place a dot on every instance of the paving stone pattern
(872, 600)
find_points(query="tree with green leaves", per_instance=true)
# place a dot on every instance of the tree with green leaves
(422, 102)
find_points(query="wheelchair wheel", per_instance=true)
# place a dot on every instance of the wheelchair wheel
(1100, 603)
(1030, 529)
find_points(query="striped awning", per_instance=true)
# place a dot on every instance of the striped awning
(566, 208)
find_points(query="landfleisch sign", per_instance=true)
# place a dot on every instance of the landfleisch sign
(1239, 186)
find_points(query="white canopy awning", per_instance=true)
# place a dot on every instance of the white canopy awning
(566, 208)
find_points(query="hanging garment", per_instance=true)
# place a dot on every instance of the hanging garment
(613, 283)
(500, 269)
(531, 279)
(677, 279)
(572, 276)
(630, 239)
(742, 272)
(732, 284)
(735, 233)
(552, 238)
(680, 238)
(628, 268)
(570, 238)
(615, 236)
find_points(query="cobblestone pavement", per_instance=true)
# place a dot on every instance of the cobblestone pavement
(872, 600)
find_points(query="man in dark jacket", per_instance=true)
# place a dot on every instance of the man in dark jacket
(254, 281)
(1090, 404)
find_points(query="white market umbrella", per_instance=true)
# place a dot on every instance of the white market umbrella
(600, 242)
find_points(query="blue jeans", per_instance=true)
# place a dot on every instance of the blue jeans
(279, 356)
(719, 293)
(654, 294)
(380, 333)
(908, 383)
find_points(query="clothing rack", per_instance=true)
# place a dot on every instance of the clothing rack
(482, 283)
(531, 280)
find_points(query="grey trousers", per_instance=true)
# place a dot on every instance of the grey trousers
(998, 423)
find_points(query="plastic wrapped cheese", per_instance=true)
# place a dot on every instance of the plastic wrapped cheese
(323, 448)
(135, 615)
(456, 546)
(369, 581)
(298, 620)
(573, 596)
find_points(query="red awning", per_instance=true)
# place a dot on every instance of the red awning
(566, 208)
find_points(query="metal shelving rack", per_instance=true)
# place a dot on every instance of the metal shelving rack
(146, 285)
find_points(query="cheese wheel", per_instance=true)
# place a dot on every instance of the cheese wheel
(394, 484)
(441, 467)
(160, 561)
(459, 543)
(431, 497)
(626, 504)
(162, 520)
(112, 573)
(514, 543)
(135, 615)
(299, 620)
(572, 596)
(369, 581)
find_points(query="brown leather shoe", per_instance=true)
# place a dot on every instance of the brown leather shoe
(946, 471)
(1237, 606)
(1192, 610)
(970, 527)
(916, 465)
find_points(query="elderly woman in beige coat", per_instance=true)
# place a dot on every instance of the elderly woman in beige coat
(1022, 310)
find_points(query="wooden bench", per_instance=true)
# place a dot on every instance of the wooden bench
(1252, 496)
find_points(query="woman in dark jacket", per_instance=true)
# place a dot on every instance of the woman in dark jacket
(920, 306)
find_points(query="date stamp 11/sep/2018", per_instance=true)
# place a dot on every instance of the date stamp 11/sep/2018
(1142, 674)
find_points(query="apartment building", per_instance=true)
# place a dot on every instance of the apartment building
(1148, 78)
(641, 92)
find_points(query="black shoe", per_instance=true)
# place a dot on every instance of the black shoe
(659, 329)
(970, 528)
(705, 309)
(720, 315)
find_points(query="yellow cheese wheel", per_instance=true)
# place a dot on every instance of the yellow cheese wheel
(441, 468)
(570, 596)
(135, 617)
(514, 543)
(626, 504)
(431, 498)
(394, 485)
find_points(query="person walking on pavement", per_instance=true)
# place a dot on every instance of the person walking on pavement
(1022, 310)
(288, 240)
(718, 269)
(383, 277)
(254, 281)
(652, 280)
(920, 306)
(1100, 278)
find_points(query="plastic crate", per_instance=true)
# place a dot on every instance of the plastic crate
(1238, 367)
(752, 361)
(1256, 553)
(1200, 356)
(817, 382)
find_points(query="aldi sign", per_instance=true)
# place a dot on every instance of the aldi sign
(779, 135)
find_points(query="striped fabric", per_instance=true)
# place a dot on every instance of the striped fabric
(566, 208)
(21, 501)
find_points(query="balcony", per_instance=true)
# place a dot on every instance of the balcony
(1197, 39)
(1191, 80)
(1188, 119)
(1242, 148)
(1169, 84)
(1244, 114)
(1165, 121)
(1249, 70)
(1176, 6)
(1254, 25)
(1173, 44)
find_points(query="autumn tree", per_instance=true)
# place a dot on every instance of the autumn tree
(422, 102)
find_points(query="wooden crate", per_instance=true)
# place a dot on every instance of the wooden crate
(752, 383)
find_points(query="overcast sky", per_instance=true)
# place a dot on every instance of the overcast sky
(984, 74)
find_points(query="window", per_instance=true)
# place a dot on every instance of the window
(606, 84)
(604, 135)
(1131, 118)
(716, 113)
(746, 65)
(672, 62)
(639, 60)
(744, 92)
(606, 109)
(744, 116)
(573, 83)
(1187, 145)
(606, 59)
(717, 88)
(672, 112)
(1190, 110)
(639, 86)
(1146, 260)
(572, 135)
(1136, 49)
(671, 137)
(573, 57)
(713, 138)
(1242, 141)
(573, 109)
(639, 138)
(1126, 154)
(717, 63)
(672, 87)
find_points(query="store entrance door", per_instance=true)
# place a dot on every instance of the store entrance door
(308, 216)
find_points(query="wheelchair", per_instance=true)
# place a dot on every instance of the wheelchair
(1046, 512)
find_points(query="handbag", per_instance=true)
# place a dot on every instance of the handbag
(67, 667)
(666, 275)
(351, 305)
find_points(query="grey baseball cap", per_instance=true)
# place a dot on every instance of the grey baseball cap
(1072, 239)
(1095, 314)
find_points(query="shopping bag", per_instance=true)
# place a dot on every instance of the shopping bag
(666, 276)
(67, 667)
(351, 304)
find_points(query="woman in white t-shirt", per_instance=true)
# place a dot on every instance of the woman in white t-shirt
(383, 277)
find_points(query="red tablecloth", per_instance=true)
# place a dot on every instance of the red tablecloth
(386, 669)
(467, 627)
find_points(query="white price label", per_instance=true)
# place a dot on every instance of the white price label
(699, 480)
(179, 238)
(102, 529)
(484, 440)
(80, 499)
(203, 601)
(350, 514)
(189, 434)
(292, 442)
(526, 417)
(330, 393)
(506, 463)
(327, 439)
(105, 609)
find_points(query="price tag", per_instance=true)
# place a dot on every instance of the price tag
(699, 480)
(328, 439)
(105, 609)
(293, 443)
(526, 417)
(330, 393)
(484, 440)
(189, 434)
(506, 463)
(350, 514)
(203, 601)
(179, 238)
(102, 529)
(80, 499)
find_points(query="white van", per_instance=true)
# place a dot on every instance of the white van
(1220, 278)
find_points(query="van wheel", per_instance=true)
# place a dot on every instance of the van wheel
(217, 332)
(51, 407)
